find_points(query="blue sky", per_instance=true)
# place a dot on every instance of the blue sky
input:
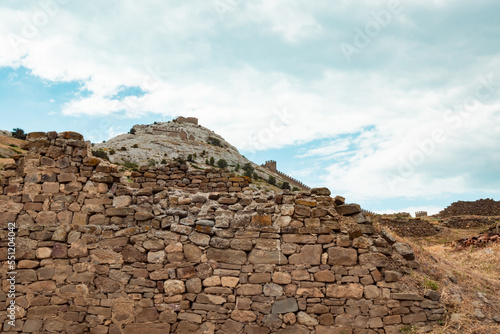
(392, 104)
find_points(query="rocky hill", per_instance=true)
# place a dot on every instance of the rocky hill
(181, 139)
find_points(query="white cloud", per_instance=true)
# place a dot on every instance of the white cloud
(183, 58)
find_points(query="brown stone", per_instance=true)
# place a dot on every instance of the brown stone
(309, 254)
(227, 256)
(259, 256)
(373, 259)
(349, 291)
(324, 276)
(340, 256)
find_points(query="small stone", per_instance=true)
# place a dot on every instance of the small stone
(174, 287)
(305, 319)
(43, 253)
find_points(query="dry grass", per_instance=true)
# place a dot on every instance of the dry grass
(477, 272)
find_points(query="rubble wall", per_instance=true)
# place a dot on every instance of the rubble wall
(98, 251)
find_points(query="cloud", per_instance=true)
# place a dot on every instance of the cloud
(270, 74)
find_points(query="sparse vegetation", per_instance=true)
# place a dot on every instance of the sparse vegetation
(190, 158)
(112, 151)
(163, 161)
(100, 153)
(430, 284)
(132, 131)
(212, 161)
(237, 168)
(271, 180)
(131, 165)
(123, 148)
(180, 159)
(151, 162)
(248, 169)
(285, 185)
(18, 133)
(135, 146)
(295, 189)
(214, 141)
(221, 163)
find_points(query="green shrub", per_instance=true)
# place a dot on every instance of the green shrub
(430, 284)
(212, 161)
(285, 185)
(248, 169)
(295, 188)
(180, 159)
(221, 163)
(207, 162)
(131, 165)
(123, 148)
(132, 131)
(135, 146)
(111, 152)
(100, 153)
(190, 158)
(237, 168)
(163, 161)
(214, 141)
(271, 180)
(18, 133)
(151, 162)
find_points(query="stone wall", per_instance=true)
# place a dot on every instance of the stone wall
(271, 165)
(481, 207)
(100, 252)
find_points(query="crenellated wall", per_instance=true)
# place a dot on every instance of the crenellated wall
(101, 252)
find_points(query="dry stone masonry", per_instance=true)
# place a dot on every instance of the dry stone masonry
(174, 251)
(481, 207)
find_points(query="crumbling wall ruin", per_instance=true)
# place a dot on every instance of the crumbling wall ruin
(101, 252)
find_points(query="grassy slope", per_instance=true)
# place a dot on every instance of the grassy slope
(477, 272)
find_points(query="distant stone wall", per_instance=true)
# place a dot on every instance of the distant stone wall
(191, 120)
(271, 165)
(101, 252)
(420, 214)
(481, 207)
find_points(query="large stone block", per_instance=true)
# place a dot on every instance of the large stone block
(373, 259)
(309, 255)
(227, 256)
(260, 256)
(348, 291)
(339, 256)
(285, 306)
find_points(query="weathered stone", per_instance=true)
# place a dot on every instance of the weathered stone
(324, 276)
(321, 191)
(340, 256)
(199, 239)
(305, 319)
(259, 256)
(227, 256)
(348, 209)
(373, 259)
(156, 257)
(192, 253)
(282, 278)
(243, 316)
(309, 254)
(353, 290)
(285, 306)
(174, 287)
(273, 290)
(405, 250)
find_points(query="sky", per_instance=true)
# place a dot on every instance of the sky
(394, 105)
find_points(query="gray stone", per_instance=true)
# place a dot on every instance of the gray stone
(405, 250)
(285, 306)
